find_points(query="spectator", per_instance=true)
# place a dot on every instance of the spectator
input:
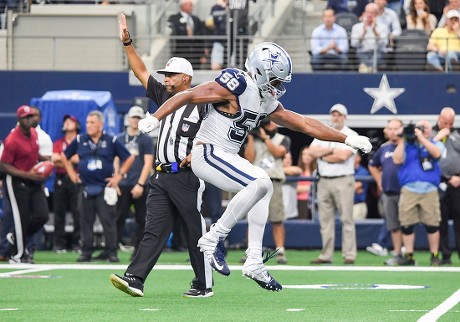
(420, 18)
(396, 6)
(385, 173)
(370, 39)
(175, 192)
(290, 188)
(217, 22)
(451, 5)
(390, 19)
(338, 5)
(96, 152)
(329, 43)
(185, 26)
(444, 43)
(358, 10)
(66, 193)
(450, 181)
(419, 177)
(45, 146)
(361, 187)
(306, 163)
(336, 189)
(133, 186)
(266, 149)
(436, 7)
(24, 186)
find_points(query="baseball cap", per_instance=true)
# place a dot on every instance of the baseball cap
(339, 108)
(69, 116)
(136, 111)
(24, 110)
(177, 65)
(453, 14)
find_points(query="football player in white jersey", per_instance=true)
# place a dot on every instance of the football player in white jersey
(238, 101)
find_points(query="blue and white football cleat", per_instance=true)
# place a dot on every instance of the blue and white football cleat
(215, 252)
(259, 274)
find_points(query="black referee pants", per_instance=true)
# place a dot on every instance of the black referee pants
(173, 196)
(30, 210)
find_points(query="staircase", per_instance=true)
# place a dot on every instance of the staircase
(295, 36)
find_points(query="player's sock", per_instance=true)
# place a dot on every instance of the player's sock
(219, 231)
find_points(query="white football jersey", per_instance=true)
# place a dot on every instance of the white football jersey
(226, 131)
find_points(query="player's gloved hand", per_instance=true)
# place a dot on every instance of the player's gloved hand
(359, 142)
(148, 124)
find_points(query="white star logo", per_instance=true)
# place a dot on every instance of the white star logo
(384, 96)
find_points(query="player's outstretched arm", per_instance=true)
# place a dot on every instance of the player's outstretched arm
(307, 125)
(317, 129)
(135, 61)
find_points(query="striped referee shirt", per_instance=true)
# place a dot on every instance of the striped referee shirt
(177, 130)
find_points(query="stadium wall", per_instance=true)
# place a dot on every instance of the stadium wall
(410, 96)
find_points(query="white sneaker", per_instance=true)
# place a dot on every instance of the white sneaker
(393, 261)
(125, 248)
(257, 271)
(378, 250)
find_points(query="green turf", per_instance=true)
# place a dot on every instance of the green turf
(87, 295)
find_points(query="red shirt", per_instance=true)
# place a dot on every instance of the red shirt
(58, 147)
(20, 150)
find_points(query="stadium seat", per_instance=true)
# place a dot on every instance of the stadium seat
(410, 51)
(346, 20)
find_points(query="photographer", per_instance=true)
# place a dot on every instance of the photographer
(419, 177)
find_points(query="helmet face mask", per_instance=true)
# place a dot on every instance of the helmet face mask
(270, 66)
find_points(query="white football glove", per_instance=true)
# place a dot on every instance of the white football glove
(148, 123)
(359, 142)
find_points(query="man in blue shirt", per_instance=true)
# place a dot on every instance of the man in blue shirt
(419, 178)
(329, 43)
(96, 151)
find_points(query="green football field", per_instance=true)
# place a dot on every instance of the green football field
(58, 289)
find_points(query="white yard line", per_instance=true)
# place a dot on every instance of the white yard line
(442, 308)
(32, 269)
(160, 267)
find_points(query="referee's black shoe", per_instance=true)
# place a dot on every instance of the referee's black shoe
(129, 284)
(195, 293)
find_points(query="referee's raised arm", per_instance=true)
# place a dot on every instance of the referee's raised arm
(135, 61)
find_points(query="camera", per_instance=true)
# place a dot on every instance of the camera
(255, 131)
(409, 132)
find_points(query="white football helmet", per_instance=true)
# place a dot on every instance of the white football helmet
(270, 66)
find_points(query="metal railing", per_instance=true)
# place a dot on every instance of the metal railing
(51, 53)
(313, 190)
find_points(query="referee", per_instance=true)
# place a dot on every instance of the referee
(175, 191)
